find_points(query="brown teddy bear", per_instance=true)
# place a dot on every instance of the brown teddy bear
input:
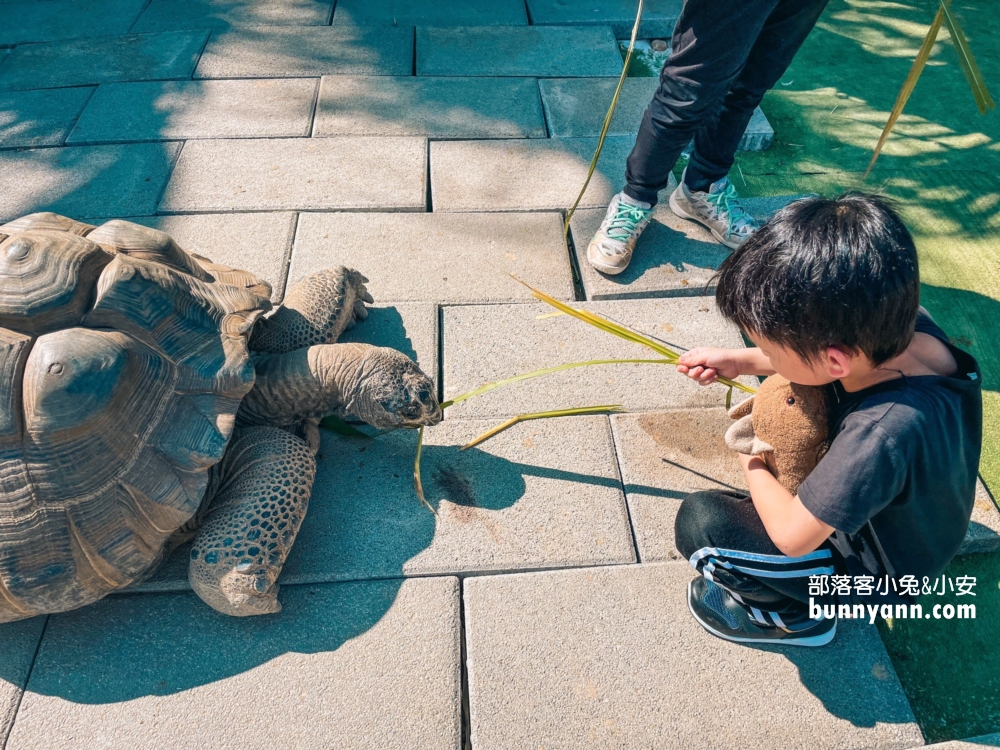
(787, 425)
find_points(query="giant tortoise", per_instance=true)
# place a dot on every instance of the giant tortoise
(145, 398)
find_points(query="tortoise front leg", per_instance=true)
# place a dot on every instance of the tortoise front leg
(264, 485)
(315, 311)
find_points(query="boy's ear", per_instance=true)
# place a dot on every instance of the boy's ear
(742, 409)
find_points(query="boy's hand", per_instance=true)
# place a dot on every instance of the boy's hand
(706, 364)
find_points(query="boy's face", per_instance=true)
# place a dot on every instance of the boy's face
(833, 364)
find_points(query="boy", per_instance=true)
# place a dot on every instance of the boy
(725, 55)
(829, 291)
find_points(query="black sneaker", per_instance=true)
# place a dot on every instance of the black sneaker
(721, 615)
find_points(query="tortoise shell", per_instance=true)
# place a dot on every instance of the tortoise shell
(123, 360)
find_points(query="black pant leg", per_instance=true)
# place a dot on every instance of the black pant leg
(711, 43)
(724, 539)
(719, 136)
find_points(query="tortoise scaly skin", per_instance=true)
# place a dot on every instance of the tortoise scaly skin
(145, 399)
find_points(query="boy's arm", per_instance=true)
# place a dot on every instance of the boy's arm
(706, 364)
(789, 524)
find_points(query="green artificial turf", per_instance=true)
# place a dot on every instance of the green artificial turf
(950, 669)
(943, 165)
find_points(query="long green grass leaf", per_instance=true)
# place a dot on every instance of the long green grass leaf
(576, 411)
(972, 73)
(607, 120)
(548, 371)
(621, 331)
(908, 85)
(418, 485)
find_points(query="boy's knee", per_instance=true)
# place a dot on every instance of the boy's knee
(698, 513)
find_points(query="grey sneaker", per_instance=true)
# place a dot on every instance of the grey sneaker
(719, 210)
(611, 249)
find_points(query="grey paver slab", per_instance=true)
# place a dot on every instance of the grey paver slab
(33, 21)
(536, 496)
(175, 110)
(425, 105)
(575, 107)
(167, 15)
(525, 175)
(20, 642)
(665, 455)
(974, 743)
(132, 57)
(611, 658)
(543, 494)
(85, 181)
(674, 257)
(984, 529)
(299, 173)
(349, 665)
(439, 257)
(297, 51)
(658, 16)
(259, 243)
(517, 51)
(39, 118)
(487, 343)
(430, 13)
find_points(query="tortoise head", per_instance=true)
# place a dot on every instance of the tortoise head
(391, 391)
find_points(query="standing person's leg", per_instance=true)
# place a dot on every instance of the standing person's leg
(749, 591)
(718, 138)
(710, 45)
(711, 42)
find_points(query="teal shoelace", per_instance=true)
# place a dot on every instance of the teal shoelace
(625, 220)
(727, 201)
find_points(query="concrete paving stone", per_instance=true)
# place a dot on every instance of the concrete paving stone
(542, 494)
(373, 664)
(665, 455)
(975, 743)
(517, 51)
(437, 107)
(297, 51)
(491, 342)
(20, 642)
(658, 16)
(33, 21)
(539, 495)
(450, 258)
(575, 107)
(674, 257)
(80, 62)
(611, 658)
(430, 13)
(85, 181)
(168, 15)
(984, 529)
(39, 118)
(259, 243)
(310, 174)
(525, 175)
(176, 110)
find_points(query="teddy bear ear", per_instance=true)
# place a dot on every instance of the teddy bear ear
(742, 409)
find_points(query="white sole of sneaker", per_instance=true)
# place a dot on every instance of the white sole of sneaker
(678, 211)
(808, 642)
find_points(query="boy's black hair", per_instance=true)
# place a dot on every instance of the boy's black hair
(826, 272)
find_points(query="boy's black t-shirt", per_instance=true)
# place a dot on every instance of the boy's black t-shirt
(899, 480)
